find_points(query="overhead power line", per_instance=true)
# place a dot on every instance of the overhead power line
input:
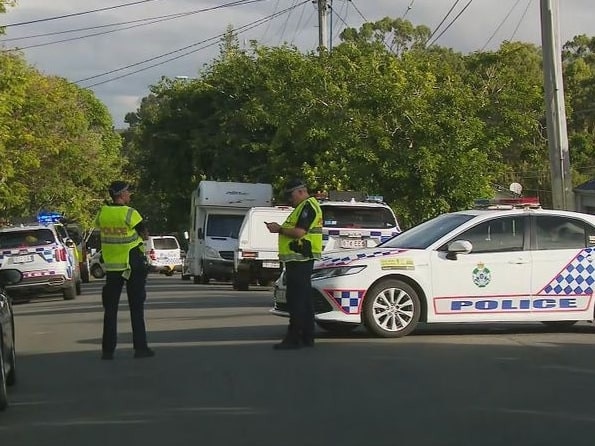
(452, 22)
(150, 22)
(453, 6)
(127, 22)
(74, 14)
(213, 41)
(521, 19)
(358, 11)
(502, 22)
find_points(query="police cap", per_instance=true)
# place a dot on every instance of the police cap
(293, 184)
(117, 187)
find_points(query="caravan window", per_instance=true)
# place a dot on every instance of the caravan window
(224, 225)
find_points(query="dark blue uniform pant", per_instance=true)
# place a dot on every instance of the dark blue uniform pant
(299, 300)
(110, 296)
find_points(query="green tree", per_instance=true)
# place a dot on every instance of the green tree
(57, 142)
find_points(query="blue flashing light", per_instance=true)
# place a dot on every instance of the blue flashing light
(46, 218)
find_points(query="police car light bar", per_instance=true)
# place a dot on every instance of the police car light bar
(375, 198)
(45, 218)
(508, 203)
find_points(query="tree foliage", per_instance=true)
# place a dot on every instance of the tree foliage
(57, 144)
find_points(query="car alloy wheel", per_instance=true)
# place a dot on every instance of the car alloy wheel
(391, 309)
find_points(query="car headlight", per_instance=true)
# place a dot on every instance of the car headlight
(327, 273)
(211, 253)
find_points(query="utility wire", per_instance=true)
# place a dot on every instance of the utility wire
(76, 14)
(358, 11)
(239, 30)
(502, 22)
(443, 20)
(158, 20)
(286, 22)
(452, 22)
(128, 22)
(521, 19)
(408, 9)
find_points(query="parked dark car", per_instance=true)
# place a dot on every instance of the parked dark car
(7, 344)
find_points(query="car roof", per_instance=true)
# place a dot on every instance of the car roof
(27, 227)
(526, 211)
(371, 204)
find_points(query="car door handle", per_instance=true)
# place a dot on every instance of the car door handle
(518, 262)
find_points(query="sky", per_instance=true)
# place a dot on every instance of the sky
(98, 61)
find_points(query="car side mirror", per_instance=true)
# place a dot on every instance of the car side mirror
(69, 243)
(458, 247)
(200, 233)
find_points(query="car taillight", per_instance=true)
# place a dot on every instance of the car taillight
(152, 254)
(60, 254)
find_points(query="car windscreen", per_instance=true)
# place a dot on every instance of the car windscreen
(357, 217)
(423, 235)
(165, 243)
(23, 239)
(222, 225)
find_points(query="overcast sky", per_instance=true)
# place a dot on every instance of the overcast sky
(484, 24)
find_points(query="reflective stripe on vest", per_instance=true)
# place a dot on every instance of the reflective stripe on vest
(118, 236)
(314, 234)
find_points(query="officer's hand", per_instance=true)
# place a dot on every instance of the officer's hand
(273, 227)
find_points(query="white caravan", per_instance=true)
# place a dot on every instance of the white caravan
(216, 214)
(257, 258)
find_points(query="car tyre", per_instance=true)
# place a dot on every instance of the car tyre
(70, 292)
(337, 328)
(3, 389)
(391, 309)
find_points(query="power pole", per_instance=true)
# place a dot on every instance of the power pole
(557, 135)
(322, 25)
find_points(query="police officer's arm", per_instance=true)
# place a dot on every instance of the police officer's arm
(303, 224)
(142, 230)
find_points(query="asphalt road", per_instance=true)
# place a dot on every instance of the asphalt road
(216, 380)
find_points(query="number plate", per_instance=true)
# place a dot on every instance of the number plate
(274, 265)
(353, 243)
(22, 259)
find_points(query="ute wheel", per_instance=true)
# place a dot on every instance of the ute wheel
(70, 292)
(338, 328)
(391, 309)
(169, 273)
(558, 324)
(3, 390)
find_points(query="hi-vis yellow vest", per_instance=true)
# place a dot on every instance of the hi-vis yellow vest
(314, 234)
(118, 237)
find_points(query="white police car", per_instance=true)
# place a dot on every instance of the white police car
(45, 259)
(482, 265)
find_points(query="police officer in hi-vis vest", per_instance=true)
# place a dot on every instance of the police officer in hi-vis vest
(300, 243)
(122, 233)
